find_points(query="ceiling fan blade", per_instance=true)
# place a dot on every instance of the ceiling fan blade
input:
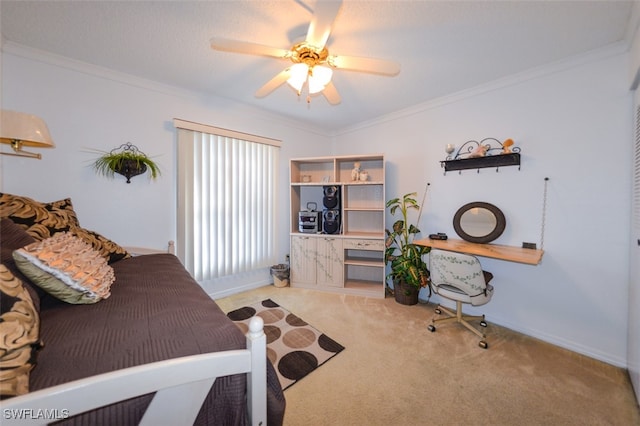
(368, 65)
(331, 93)
(274, 83)
(320, 27)
(248, 48)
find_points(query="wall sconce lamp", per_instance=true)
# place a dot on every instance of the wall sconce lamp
(19, 129)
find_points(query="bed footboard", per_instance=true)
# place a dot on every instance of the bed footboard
(181, 385)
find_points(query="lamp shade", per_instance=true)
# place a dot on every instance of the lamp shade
(24, 129)
(19, 129)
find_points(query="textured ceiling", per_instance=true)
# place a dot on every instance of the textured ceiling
(442, 46)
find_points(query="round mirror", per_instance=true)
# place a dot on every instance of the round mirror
(479, 222)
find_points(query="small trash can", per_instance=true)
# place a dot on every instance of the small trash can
(280, 274)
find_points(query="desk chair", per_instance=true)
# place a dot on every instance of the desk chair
(459, 277)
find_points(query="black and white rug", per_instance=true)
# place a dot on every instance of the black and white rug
(294, 347)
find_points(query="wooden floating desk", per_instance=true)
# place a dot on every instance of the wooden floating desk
(495, 251)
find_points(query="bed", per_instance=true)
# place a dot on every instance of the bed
(157, 350)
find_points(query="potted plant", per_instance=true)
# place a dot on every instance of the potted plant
(409, 271)
(126, 160)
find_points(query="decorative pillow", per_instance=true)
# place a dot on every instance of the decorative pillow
(19, 335)
(44, 220)
(40, 220)
(107, 248)
(66, 267)
(13, 237)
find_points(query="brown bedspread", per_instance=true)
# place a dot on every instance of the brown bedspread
(156, 311)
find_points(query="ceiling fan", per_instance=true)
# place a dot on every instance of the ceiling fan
(312, 64)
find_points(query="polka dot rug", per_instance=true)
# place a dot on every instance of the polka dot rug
(294, 347)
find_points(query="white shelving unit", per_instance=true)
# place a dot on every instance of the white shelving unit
(350, 261)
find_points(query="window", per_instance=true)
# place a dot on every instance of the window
(226, 200)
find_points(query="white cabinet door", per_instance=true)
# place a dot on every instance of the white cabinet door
(329, 262)
(303, 260)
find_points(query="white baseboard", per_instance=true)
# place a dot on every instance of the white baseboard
(537, 334)
(224, 292)
(563, 343)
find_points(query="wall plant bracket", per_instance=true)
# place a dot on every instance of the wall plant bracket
(126, 160)
(489, 152)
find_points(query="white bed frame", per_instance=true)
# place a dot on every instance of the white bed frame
(180, 385)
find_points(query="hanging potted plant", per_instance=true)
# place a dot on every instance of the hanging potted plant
(409, 271)
(126, 160)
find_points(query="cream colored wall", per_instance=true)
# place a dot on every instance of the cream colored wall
(92, 108)
(572, 121)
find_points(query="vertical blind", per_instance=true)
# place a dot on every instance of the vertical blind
(226, 200)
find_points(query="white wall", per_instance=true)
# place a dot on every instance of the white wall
(90, 108)
(572, 122)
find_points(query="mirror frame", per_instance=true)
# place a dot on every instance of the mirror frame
(501, 222)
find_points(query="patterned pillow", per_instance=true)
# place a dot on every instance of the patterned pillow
(19, 332)
(107, 248)
(40, 220)
(67, 268)
(43, 220)
(13, 237)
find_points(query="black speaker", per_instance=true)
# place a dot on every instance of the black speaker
(331, 199)
(331, 221)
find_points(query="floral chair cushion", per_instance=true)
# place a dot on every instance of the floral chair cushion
(459, 276)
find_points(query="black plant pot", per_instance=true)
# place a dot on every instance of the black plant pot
(405, 294)
(131, 168)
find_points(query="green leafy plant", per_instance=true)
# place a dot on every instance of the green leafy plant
(126, 160)
(405, 257)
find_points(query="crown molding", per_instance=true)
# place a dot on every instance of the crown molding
(614, 49)
(633, 23)
(60, 61)
(123, 78)
(49, 58)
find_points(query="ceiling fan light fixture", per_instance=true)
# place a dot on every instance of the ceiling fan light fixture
(298, 76)
(312, 64)
(319, 77)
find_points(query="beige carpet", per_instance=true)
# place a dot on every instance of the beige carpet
(395, 372)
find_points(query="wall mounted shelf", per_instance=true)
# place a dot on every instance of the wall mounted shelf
(489, 152)
(495, 251)
(501, 160)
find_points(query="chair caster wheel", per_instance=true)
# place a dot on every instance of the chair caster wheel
(431, 328)
(483, 323)
(483, 344)
(438, 311)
